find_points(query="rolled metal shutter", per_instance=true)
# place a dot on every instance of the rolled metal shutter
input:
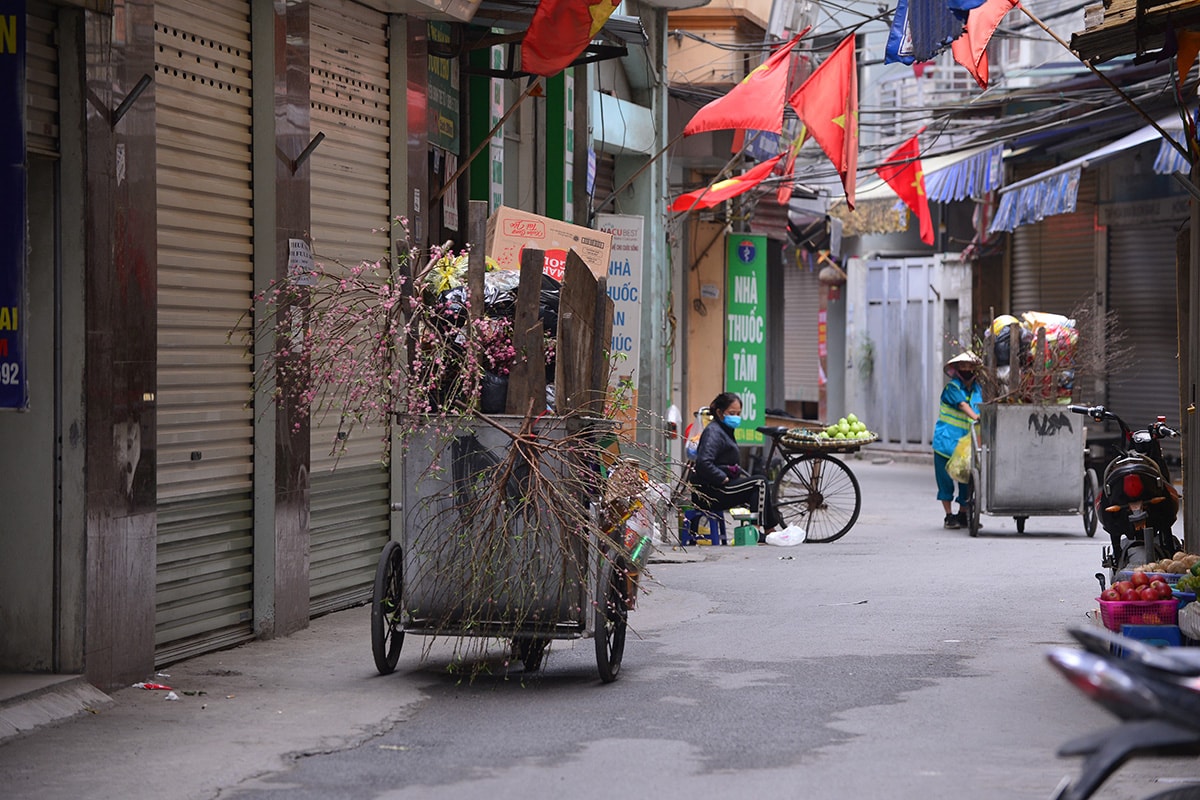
(351, 209)
(1141, 290)
(41, 80)
(1054, 261)
(802, 303)
(204, 596)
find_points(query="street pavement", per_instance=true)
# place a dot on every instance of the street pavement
(904, 661)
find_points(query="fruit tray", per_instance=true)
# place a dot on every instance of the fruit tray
(792, 440)
(1115, 613)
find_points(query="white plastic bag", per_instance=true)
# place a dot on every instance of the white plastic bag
(787, 537)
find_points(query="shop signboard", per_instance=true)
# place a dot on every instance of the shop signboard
(625, 290)
(746, 330)
(443, 93)
(13, 380)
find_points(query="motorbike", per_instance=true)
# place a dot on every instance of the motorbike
(1154, 691)
(1136, 502)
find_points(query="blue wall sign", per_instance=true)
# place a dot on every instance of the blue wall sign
(13, 385)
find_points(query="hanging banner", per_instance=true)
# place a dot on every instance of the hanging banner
(443, 92)
(746, 330)
(14, 391)
(625, 290)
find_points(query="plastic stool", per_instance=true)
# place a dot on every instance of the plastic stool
(692, 517)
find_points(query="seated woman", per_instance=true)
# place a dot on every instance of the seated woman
(718, 481)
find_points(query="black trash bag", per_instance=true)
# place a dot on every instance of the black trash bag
(500, 292)
(455, 301)
(548, 304)
(1003, 348)
(493, 393)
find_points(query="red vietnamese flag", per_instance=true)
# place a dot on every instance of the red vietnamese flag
(902, 171)
(560, 31)
(755, 103)
(970, 49)
(828, 104)
(723, 190)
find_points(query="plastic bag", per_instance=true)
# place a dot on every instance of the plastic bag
(959, 465)
(789, 536)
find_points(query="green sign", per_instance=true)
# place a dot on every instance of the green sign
(443, 93)
(746, 330)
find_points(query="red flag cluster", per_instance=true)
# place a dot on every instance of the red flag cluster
(827, 104)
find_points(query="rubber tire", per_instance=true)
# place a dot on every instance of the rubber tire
(612, 619)
(1091, 490)
(1178, 793)
(826, 507)
(973, 514)
(387, 634)
(531, 652)
(1020, 524)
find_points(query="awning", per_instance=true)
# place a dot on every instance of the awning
(976, 172)
(1055, 190)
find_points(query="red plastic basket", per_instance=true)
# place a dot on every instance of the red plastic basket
(1116, 613)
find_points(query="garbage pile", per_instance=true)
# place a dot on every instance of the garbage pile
(1043, 368)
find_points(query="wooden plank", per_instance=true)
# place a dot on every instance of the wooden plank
(573, 381)
(477, 212)
(527, 377)
(601, 347)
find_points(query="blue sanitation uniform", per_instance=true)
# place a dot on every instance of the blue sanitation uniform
(952, 425)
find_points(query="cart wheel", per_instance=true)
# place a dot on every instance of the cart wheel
(530, 652)
(612, 615)
(1020, 524)
(387, 635)
(973, 506)
(1091, 490)
(820, 494)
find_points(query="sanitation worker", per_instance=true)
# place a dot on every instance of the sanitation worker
(959, 404)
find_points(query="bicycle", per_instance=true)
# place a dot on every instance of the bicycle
(809, 486)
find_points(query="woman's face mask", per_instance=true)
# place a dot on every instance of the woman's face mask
(732, 420)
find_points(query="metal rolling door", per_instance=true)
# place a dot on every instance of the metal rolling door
(41, 80)
(1141, 290)
(1054, 261)
(801, 361)
(205, 555)
(351, 207)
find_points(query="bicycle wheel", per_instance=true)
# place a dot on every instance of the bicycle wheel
(387, 635)
(820, 494)
(612, 614)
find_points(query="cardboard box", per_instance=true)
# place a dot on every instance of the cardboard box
(509, 231)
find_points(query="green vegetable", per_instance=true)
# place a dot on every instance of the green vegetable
(1196, 568)
(1191, 583)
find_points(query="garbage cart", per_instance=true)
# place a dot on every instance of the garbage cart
(1028, 461)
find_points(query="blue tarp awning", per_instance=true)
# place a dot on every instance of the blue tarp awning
(978, 172)
(1054, 191)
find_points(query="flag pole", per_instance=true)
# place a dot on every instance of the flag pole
(1128, 100)
(631, 178)
(533, 84)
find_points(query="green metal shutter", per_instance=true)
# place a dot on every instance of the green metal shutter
(204, 594)
(351, 207)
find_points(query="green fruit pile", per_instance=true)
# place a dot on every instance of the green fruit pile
(849, 427)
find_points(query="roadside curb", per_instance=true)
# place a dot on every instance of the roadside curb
(33, 701)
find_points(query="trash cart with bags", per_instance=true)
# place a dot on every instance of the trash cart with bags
(1027, 460)
(499, 558)
(513, 524)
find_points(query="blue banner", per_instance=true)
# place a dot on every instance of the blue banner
(13, 385)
